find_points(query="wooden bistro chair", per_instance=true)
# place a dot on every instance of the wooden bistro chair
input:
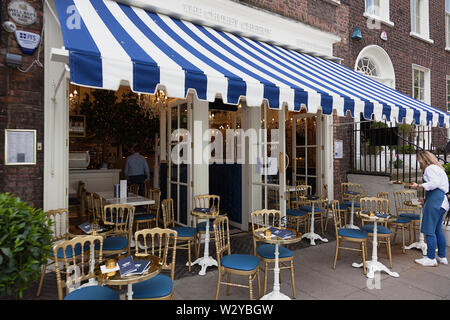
(404, 211)
(266, 252)
(151, 213)
(163, 244)
(210, 201)
(374, 204)
(237, 264)
(404, 223)
(294, 215)
(133, 188)
(120, 217)
(346, 204)
(347, 235)
(75, 264)
(185, 234)
(60, 231)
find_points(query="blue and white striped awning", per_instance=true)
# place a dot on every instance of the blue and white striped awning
(110, 42)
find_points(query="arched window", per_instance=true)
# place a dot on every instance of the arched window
(367, 67)
(374, 62)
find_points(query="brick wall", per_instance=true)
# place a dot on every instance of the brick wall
(21, 107)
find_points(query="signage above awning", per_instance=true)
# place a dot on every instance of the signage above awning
(108, 43)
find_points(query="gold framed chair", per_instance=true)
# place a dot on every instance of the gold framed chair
(347, 234)
(133, 188)
(237, 264)
(163, 244)
(151, 214)
(348, 192)
(212, 202)
(120, 216)
(404, 211)
(403, 223)
(97, 208)
(60, 230)
(77, 204)
(266, 252)
(185, 234)
(75, 262)
(374, 204)
(301, 190)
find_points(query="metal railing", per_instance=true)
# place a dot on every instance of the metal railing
(382, 149)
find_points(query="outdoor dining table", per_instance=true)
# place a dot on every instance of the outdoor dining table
(205, 261)
(259, 233)
(374, 265)
(421, 245)
(353, 196)
(311, 235)
(116, 279)
(131, 199)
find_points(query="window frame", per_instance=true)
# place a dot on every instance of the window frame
(427, 83)
(423, 33)
(383, 14)
(447, 24)
(447, 82)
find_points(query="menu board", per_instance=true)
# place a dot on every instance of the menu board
(20, 147)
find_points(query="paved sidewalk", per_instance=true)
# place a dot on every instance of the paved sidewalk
(315, 279)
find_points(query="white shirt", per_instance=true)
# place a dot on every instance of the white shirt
(436, 178)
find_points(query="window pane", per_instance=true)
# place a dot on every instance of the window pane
(447, 5)
(421, 79)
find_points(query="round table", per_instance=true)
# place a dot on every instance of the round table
(353, 196)
(374, 265)
(117, 280)
(259, 233)
(205, 261)
(311, 235)
(421, 245)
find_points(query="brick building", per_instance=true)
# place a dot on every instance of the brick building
(22, 94)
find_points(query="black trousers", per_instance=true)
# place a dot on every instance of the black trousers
(140, 181)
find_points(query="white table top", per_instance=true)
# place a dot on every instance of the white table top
(132, 199)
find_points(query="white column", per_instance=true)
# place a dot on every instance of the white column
(56, 120)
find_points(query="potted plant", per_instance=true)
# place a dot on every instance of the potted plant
(25, 244)
(397, 162)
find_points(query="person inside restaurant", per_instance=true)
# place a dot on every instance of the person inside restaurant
(136, 169)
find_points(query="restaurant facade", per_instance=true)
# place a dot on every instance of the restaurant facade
(306, 46)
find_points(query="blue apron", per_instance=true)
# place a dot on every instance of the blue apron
(432, 210)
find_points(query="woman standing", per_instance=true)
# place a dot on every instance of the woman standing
(436, 205)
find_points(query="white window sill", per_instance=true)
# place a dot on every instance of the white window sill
(447, 49)
(421, 37)
(335, 2)
(377, 18)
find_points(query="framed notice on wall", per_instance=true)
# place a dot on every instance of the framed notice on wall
(20, 147)
(338, 149)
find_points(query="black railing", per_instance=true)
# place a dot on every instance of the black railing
(382, 149)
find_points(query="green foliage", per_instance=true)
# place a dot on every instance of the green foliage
(25, 244)
(447, 170)
(112, 120)
(406, 149)
(398, 163)
(405, 129)
(378, 125)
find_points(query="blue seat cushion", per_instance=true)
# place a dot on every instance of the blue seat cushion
(380, 229)
(113, 244)
(243, 262)
(70, 251)
(343, 206)
(201, 226)
(140, 217)
(295, 212)
(402, 220)
(93, 293)
(412, 216)
(185, 232)
(157, 287)
(309, 209)
(352, 233)
(354, 193)
(267, 251)
(349, 204)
